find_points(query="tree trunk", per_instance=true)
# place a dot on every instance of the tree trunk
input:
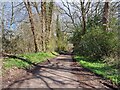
(119, 35)
(12, 16)
(106, 15)
(58, 32)
(49, 20)
(83, 18)
(2, 27)
(27, 4)
(43, 24)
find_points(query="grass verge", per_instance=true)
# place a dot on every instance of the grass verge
(9, 63)
(100, 68)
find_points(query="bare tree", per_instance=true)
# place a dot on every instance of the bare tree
(78, 14)
(68, 12)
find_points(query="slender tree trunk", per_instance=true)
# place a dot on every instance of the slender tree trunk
(106, 15)
(83, 18)
(58, 32)
(119, 35)
(42, 34)
(28, 7)
(35, 5)
(49, 20)
(12, 16)
(43, 24)
(2, 26)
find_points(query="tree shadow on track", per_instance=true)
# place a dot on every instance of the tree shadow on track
(36, 74)
(42, 77)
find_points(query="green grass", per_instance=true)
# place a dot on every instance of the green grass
(33, 57)
(100, 68)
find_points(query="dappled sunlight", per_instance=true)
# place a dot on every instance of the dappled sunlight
(49, 44)
(64, 57)
(65, 75)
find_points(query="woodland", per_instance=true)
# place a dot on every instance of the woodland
(38, 31)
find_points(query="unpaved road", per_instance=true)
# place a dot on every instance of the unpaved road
(61, 72)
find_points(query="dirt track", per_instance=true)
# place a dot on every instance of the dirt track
(61, 72)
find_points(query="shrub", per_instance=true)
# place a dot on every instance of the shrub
(97, 43)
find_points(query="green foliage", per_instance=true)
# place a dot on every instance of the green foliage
(76, 39)
(9, 42)
(93, 22)
(61, 41)
(97, 43)
(33, 57)
(100, 68)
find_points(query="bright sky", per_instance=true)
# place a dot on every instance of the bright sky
(57, 0)
(8, 7)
